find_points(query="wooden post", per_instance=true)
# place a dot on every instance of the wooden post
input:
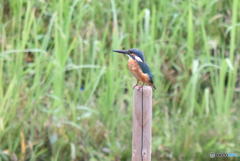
(142, 124)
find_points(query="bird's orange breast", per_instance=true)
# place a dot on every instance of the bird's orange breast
(137, 72)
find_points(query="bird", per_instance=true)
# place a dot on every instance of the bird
(138, 67)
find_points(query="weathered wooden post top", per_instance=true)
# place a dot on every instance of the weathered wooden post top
(142, 124)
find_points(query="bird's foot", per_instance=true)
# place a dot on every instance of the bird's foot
(135, 86)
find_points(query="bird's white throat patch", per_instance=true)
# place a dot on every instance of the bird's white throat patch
(136, 58)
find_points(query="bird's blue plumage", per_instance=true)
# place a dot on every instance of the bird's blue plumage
(136, 55)
(145, 69)
(139, 53)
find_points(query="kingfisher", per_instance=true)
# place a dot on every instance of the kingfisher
(138, 66)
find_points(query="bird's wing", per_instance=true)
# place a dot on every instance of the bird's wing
(145, 69)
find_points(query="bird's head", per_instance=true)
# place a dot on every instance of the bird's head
(132, 53)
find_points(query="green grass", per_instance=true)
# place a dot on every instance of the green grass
(64, 95)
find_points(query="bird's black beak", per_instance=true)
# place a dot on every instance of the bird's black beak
(124, 52)
(121, 51)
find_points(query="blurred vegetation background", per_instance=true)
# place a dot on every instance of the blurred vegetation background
(65, 96)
